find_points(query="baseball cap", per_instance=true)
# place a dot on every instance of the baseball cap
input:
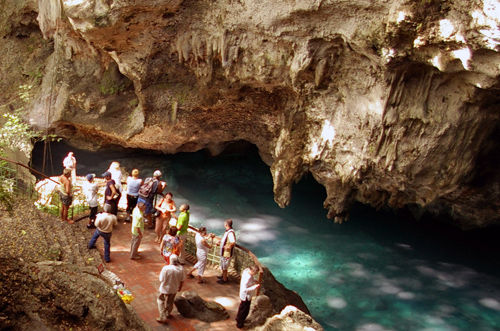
(106, 174)
(157, 173)
(90, 176)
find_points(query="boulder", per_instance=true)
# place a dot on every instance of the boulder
(189, 304)
(260, 310)
(290, 319)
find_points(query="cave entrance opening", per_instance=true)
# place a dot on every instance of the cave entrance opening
(368, 266)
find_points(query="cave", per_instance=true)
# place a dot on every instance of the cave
(379, 117)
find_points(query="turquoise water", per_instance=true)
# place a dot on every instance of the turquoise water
(377, 271)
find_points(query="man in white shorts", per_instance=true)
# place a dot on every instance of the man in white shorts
(227, 244)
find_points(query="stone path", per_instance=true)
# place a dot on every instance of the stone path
(141, 278)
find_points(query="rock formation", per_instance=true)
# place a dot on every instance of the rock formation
(49, 279)
(260, 310)
(390, 103)
(189, 304)
(290, 319)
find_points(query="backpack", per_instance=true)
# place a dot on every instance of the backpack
(147, 187)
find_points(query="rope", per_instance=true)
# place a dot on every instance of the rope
(47, 151)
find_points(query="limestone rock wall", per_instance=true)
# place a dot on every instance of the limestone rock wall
(391, 103)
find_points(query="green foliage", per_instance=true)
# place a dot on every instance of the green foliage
(6, 199)
(133, 103)
(51, 209)
(113, 82)
(111, 89)
(77, 210)
(16, 135)
(78, 207)
(36, 75)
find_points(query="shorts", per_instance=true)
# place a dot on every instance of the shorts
(149, 205)
(65, 199)
(224, 262)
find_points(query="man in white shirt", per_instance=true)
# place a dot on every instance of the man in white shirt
(226, 244)
(171, 280)
(69, 162)
(247, 286)
(90, 191)
(104, 223)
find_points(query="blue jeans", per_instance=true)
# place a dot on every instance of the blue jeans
(107, 242)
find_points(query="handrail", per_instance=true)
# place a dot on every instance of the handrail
(250, 253)
(29, 168)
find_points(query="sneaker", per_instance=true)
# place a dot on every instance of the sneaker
(221, 281)
(93, 247)
(136, 258)
(220, 277)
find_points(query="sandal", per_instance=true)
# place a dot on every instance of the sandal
(202, 281)
(190, 276)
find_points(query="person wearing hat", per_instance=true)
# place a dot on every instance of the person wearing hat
(104, 226)
(90, 191)
(111, 195)
(65, 194)
(149, 199)
(171, 281)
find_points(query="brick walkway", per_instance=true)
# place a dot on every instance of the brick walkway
(141, 278)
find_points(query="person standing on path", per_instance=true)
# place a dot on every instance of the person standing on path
(116, 175)
(171, 281)
(111, 195)
(137, 230)
(227, 244)
(182, 227)
(153, 185)
(104, 226)
(133, 184)
(166, 206)
(90, 191)
(69, 162)
(247, 286)
(170, 244)
(202, 247)
(65, 194)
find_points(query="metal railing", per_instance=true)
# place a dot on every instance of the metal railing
(242, 257)
(14, 182)
(18, 183)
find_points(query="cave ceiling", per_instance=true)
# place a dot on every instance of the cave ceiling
(389, 103)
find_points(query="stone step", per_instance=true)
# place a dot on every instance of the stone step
(72, 241)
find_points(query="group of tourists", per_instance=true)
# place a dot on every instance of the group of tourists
(141, 207)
